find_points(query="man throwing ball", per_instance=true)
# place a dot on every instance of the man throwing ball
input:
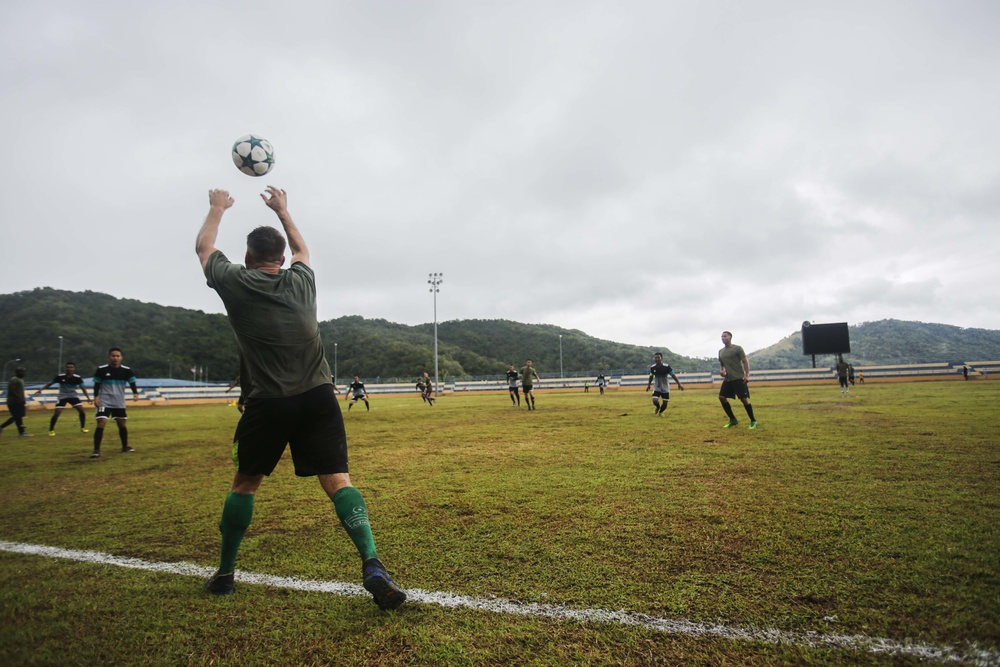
(287, 380)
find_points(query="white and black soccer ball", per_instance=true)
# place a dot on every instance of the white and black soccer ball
(253, 156)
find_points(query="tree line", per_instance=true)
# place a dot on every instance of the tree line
(164, 341)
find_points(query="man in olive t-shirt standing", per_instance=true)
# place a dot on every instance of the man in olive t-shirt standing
(528, 377)
(735, 370)
(290, 398)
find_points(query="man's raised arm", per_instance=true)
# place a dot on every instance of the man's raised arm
(218, 202)
(277, 200)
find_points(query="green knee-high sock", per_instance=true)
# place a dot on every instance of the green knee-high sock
(236, 516)
(353, 515)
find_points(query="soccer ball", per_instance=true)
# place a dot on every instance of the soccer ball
(253, 156)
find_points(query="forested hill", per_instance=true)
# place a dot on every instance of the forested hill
(891, 342)
(162, 341)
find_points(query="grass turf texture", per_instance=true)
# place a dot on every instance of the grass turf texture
(871, 514)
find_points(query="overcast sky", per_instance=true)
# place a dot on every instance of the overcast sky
(646, 172)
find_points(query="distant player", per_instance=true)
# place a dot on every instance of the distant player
(735, 370)
(17, 404)
(660, 374)
(356, 392)
(421, 389)
(428, 389)
(602, 382)
(512, 379)
(842, 371)
(69, 383)
(528, 377)
(110, 381)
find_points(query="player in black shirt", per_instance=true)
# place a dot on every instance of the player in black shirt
(512, 379)
(356, 392)
(69, 382)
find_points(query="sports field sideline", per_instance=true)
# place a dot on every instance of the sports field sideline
(846, 530)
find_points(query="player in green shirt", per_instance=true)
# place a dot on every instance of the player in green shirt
(735, 370)
(17, 404)
(288, 385)
(528, 377)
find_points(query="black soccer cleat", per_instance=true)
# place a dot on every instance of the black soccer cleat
(378, 582)
(220, 584)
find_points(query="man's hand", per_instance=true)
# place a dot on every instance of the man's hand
(276, 199)
(220, 199)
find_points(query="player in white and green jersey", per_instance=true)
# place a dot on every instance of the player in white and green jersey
(660, 374)
(110, 381)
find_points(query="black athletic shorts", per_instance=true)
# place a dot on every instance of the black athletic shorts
(526, 387)
(310, 423)
(512, 389)
(17, 410)
(68, 401)
(843, 380)
(662, 394)
(111, 413)
(734, 389)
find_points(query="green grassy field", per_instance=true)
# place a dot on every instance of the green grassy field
(871, 516)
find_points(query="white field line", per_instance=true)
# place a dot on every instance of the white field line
(971, 654)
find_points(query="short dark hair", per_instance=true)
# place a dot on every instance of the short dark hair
(728, 332)
(266, 244)
(657, 354)
(115, 348)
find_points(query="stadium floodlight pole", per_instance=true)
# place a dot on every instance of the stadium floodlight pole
(435, 280)
(59, 367)
(334, 364)
(560, 357)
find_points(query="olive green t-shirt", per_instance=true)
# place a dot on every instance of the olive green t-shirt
(731, 359)
(274, 318)
(15, 391)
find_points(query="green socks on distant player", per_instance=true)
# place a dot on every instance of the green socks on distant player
(236, 516)
(353, 515)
